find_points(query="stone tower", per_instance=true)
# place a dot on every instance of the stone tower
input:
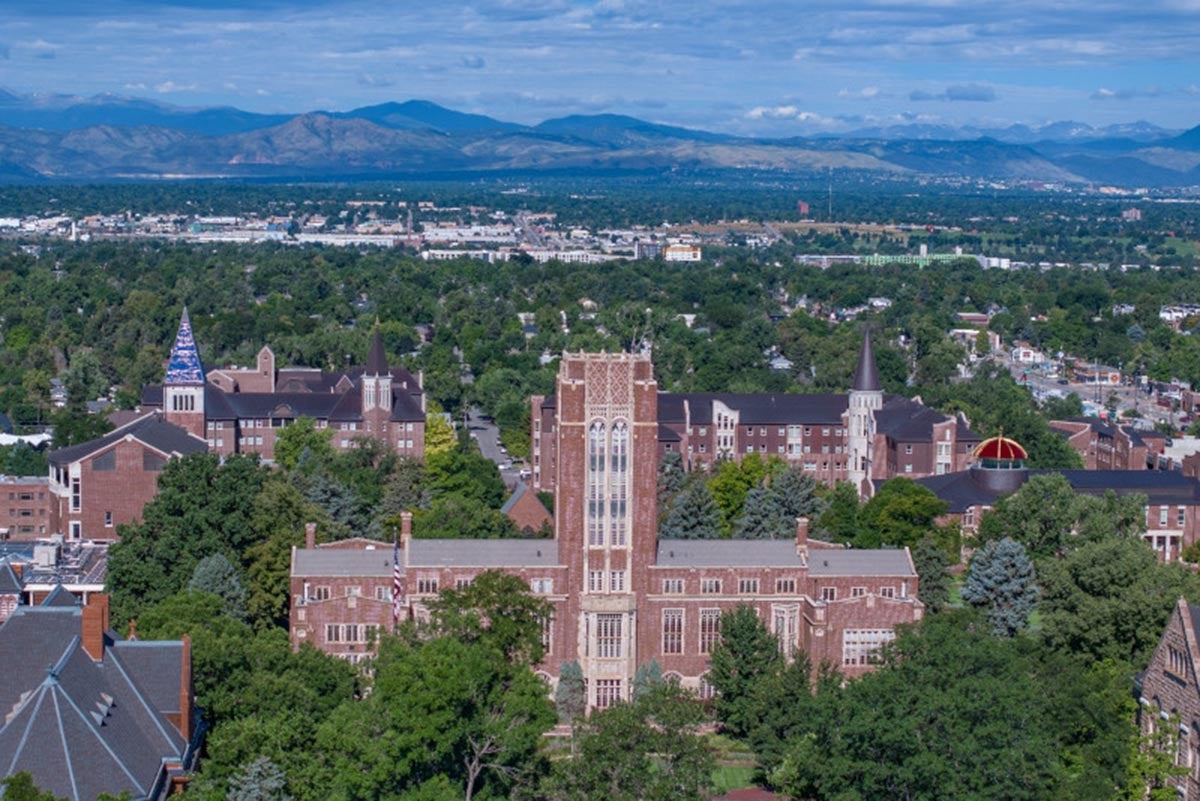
(183, 385)
(377, 389)
(866, 397)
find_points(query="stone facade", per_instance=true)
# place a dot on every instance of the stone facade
(1169, 694)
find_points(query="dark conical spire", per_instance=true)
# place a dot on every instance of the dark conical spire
(377, 358)
(866, 377)
(184, 366)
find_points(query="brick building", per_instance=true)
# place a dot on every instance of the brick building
(621, 596)
(26, 509)
(858, 437)
(1104, 446)
(98, 485)
(240, 410)
(1169, 694)
(1172, 508)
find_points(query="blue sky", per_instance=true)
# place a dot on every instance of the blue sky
(770, 68)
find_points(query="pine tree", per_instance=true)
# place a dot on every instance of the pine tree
(840, 520)
(260, 780)
(1001, 581)
(570, 697)
(796, 494)
(761, 518)
(670, 480)
(214, 574)
(646, 678)
(931, 563)
(747, 651)
(694, 516)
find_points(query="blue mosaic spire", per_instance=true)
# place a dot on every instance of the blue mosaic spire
(184, 366)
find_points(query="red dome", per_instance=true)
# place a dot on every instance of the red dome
(1000, 449)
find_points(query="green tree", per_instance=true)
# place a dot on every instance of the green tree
(20, 787)
(761, 517)
(840, 522)
(797, 494)
(301, 437)
(439, 433)
(496, 610)
(214, 574)
(732, 480)
(671, 478)
(746, 652)
(901, 512)
(694, 516)
(1154, 769)
(1001, 580)
(648, 750)
(934, 582)
(646, 678)
(260, 780)
(570, 697)
(1040, 515)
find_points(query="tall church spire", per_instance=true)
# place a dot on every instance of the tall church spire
(377, 358)
(184, 367)
(866, 377)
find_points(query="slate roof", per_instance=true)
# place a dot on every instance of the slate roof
(483, 553)
(377, 358)
(9, 583)
(874, 562)
(755, 408)
(184, 367)
(520, 490)
(316, 562)
(60, 598)
(150, 429)
(963, 490)
(906, 420)
(866, 374)
(83, 727)
(727, 553)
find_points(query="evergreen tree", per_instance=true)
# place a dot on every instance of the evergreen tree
(931, 563)
(747, 652)
(1001, 580)
(261, 780)
(761, 518)
(796, 494)
(671, 479)
(214, 574)
(694, 516)
(646, 678)
(840, 519)
(570, 697)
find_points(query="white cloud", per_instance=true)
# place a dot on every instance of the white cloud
(167, 87)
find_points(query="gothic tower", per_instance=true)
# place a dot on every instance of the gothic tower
(866, 397)
(183, 386)
(377, 389)
(605, 509)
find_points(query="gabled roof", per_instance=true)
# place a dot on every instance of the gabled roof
(151, 430)
(184, 367)
(60, 597)
(9, 583)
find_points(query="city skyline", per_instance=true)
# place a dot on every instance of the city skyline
(752, 69)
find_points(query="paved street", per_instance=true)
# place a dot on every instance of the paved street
(487, 436)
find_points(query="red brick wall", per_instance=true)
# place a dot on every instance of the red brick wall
(122, 492)
(27, 507)
(1169, 688)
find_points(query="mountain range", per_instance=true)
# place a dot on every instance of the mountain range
(110, 137)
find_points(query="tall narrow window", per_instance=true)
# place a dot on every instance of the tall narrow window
(595, 482)
(617, 476)
(672, 631)
(608, 636)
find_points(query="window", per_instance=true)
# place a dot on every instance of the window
(355, 591)
(76, 529)
(908, 450)
(427, 585)
(617, 581)
(887, 592)
(542, 586)
(785, 586)
(462, 582)
(595, 581)
(825, 432)
(383, 594)
(858, 592)
(860, 646)
(780, 431)
(707, 691)
(829, 593)
(608, 692)
(748, 586)
(595, 484)
(320, 594)
(710, 586)
(108, 519)
(710, 629)
(608, 636)
(76, 496)
(547, 632)
(333, 632)
(1180, 516)
(152, 462)
(1162, 516)
(105, 461)
(785, 625)
(672, 631)
(673, 586)
(908, 468)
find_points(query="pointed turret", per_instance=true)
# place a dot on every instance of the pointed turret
(184, 367)
(377, 358)
(866, 376)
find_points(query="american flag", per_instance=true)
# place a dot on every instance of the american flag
(397, 586)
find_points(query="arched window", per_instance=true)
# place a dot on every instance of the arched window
(595, 484)
(618, 475)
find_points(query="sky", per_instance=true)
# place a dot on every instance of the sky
(770, 68)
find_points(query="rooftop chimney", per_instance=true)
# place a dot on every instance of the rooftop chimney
(405, 530)
(310, 535)
(95, 623)
(802, 539)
